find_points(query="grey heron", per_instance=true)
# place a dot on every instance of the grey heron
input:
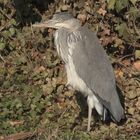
(87, 65)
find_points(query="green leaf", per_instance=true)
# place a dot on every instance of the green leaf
(2, 46)
(134, 12)
(111, 4)
(124, 31)
(6, 33)
(121, 28)
(13, 21)
(12, 31)
(137, 54)
(121, 4)
(20, 59)
(6, 84)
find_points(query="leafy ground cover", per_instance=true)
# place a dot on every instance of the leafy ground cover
(34, 102)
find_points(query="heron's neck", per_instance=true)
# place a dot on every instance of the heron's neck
(72, 24)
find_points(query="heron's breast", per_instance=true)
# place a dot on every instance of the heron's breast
(61, 45)
(74, 80)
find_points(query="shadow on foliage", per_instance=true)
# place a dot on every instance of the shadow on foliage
(28, 11)
(82, 102)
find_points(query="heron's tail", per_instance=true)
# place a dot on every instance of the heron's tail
(116, 109)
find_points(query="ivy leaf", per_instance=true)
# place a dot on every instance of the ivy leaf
(12, 31)
(111, 4)
(134, 12)
(2, 46)
(121, 4)
(123, 31)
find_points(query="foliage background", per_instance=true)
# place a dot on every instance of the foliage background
(34, 103)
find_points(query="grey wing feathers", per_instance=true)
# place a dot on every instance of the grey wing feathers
(93, 66)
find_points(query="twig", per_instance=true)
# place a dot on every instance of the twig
(3, 27)
(4, 14)
(9, 37)
(138, 79)
(21, 135)
(73, 131)
(120, 59)
(9, 19)
(32, 30)
(2, 58)
(17, 136)
(136, 29)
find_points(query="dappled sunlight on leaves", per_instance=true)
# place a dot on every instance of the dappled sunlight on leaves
(34, 101)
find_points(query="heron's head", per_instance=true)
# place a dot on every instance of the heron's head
(60, 20)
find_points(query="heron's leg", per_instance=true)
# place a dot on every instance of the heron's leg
(90, 107)
(89, 117)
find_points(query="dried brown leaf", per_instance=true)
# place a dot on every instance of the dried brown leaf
(101, 11)
(136, 65)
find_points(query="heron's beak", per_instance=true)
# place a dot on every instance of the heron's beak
(45, 24)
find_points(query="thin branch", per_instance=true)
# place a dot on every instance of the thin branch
(120, 59)
(5, 14)
(136, 29)
(5, 25)
(17, 136)
(32, 29)
(2, 58)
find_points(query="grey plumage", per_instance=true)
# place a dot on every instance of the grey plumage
(87, 65)
(96, 71)
(62, 16)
